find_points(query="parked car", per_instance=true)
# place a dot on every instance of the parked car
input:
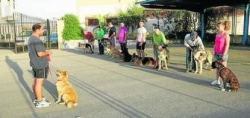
(54, 37)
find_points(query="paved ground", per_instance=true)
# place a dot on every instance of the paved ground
(108, 89)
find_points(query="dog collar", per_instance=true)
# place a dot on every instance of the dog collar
(221, 69)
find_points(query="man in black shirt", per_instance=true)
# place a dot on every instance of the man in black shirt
(112, 33)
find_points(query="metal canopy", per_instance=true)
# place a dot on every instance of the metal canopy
(200, 6)
(192, 5)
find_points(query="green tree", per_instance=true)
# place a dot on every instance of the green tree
(132, 16)
(72, 29)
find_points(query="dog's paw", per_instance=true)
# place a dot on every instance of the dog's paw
(57, 102)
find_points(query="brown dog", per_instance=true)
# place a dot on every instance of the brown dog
(227, 75)
(115, 52)
(66, 92)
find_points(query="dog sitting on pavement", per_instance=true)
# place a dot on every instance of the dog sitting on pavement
(227, 76)
(66, 93)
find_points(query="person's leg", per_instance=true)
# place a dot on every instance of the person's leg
(121, 45)
(138, 47)
(193, 62)
(38, 88)
(113, 42)
(99, 46)
(188, 53)
(142, 49)
(155, 49)
(33, 87)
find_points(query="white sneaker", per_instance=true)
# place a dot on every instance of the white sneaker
(215, 82)
(42, 104)
(43, 99)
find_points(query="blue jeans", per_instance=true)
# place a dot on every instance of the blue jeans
(188, 60)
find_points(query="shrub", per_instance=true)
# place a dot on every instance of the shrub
(72, 29)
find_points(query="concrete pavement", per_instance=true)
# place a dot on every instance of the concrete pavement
(108, 88)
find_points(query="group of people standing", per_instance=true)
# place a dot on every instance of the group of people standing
(220, 50)
(159, 41)
(39, 55)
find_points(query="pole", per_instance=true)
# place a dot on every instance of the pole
(246, 24)
(14, 24)
(48, 33)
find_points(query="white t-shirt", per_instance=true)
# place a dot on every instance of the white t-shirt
(140, 32)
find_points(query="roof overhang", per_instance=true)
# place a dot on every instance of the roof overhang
(192, 5)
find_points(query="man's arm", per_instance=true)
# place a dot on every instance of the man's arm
(185, 41)
(44, 54)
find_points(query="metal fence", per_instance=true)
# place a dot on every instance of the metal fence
(15, 31)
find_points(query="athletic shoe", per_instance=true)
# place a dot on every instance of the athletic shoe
(42, 104)
(43, 99)
(215, 82)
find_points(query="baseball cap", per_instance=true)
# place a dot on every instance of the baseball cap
(193, 35)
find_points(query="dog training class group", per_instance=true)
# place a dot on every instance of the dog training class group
(113, 43)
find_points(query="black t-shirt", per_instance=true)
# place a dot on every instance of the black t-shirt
(36, 45)
(112, 30)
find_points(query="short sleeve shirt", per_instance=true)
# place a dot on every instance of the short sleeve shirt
(112, 30)
(36, 45)
(140, 32)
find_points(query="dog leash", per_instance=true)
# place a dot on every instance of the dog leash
(53, 80)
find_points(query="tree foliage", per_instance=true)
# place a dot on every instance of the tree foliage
(213, 15)
(72, 29)
(132, 16)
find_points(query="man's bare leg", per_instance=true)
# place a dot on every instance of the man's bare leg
(38, 88)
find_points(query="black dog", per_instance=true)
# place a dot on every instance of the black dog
(126, 56)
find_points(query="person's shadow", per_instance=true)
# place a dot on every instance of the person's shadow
(49, 86)
(19, 72)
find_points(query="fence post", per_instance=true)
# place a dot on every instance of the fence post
(14, 23)
(48, 33)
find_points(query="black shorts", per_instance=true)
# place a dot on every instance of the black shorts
(40, 73)
(142, 47)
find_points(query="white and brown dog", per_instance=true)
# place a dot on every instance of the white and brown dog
(202, 57)
(162, 59)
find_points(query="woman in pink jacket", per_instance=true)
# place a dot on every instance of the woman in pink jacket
(221, 46)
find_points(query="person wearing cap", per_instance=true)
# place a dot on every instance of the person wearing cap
(159, 43)
(192, 41)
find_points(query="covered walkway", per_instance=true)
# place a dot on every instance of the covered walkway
(201, 6)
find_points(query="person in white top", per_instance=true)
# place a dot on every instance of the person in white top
(141, 39)
(191, 42)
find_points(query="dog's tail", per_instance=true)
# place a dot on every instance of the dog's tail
(71, 105)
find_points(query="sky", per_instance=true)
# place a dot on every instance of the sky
(46, 9)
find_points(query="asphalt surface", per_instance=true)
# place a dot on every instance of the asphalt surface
(108, 88)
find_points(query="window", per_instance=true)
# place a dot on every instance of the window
(92, 21)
